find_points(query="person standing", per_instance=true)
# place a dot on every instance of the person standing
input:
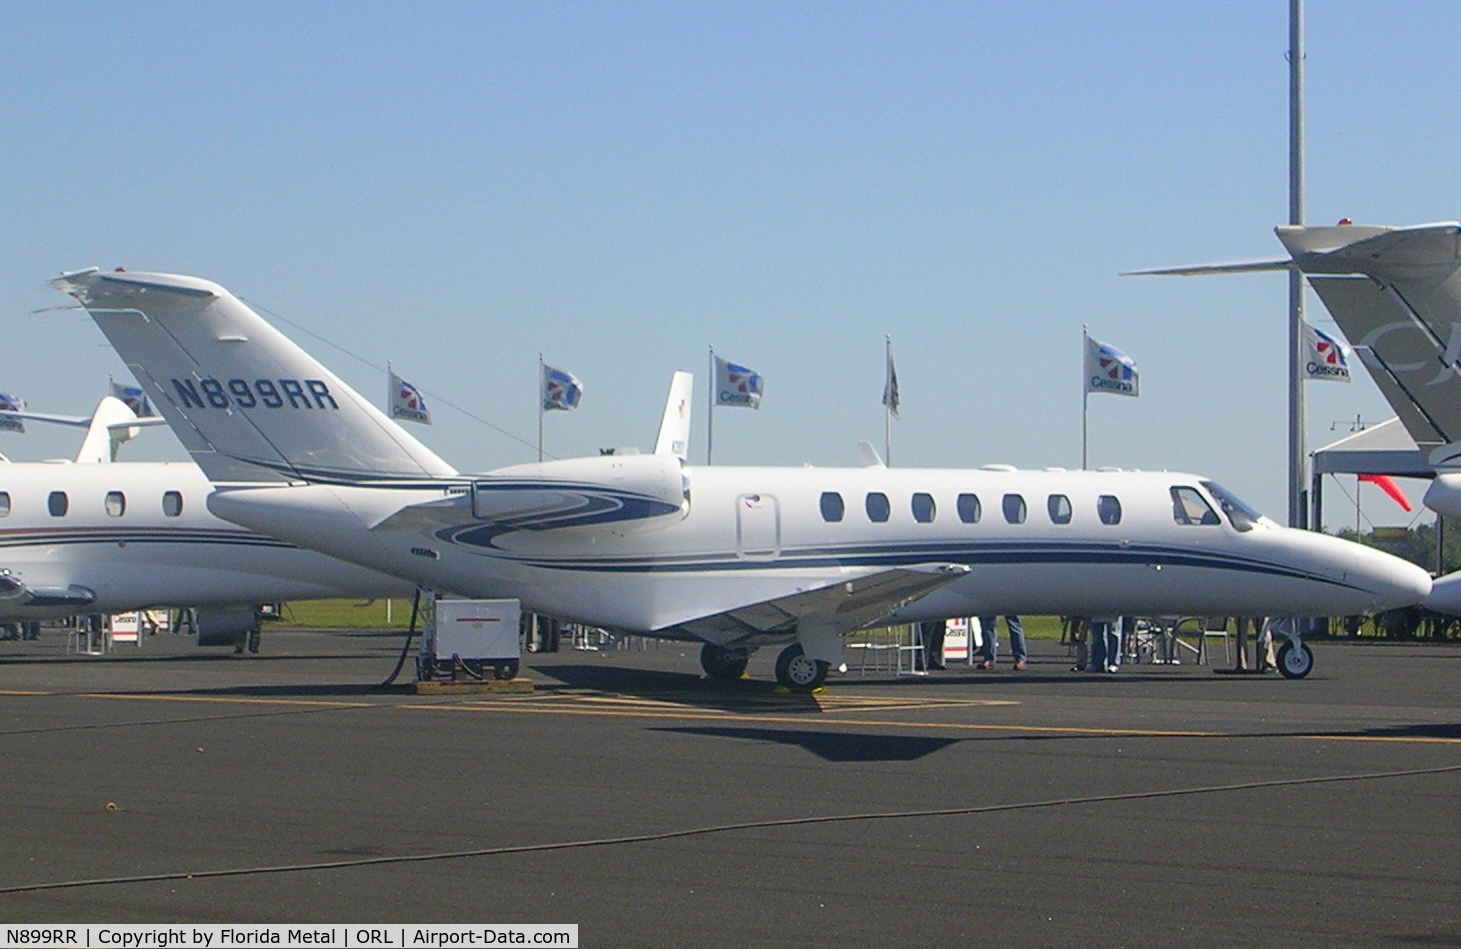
(1105, 651)
(989, 642)
(932, 634)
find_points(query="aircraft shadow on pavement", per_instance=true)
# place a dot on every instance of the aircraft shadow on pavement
(690, 689)
(830, 746)
(1435, 730)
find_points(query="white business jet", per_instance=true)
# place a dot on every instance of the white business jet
(1396, 294)
(87, 537)
(732, 557)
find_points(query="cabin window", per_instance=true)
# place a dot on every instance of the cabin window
(878, 507)
(1014, 508)
(1108, 509)
(923, 508)
(1189, 507)
(1059, 507)
(4, 503)
(968, 507)
(58, 504)
(172, 503)
(832, 506)
(116, 504)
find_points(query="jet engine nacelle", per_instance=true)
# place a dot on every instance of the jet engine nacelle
(225, 625)
(1444, 495)
(618, 491)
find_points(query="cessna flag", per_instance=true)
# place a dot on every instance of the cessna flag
(10, 403)
(407, 403)
(1109, 370)
(737, 385)
(1324, 356)
(134, 397)
(561, 390)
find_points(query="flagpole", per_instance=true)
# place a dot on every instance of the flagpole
(1085, 397)
(710, 412)
(540, 406)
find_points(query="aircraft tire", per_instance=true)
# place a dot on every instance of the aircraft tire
(798, 673)
(723, 664)
(1295, 660)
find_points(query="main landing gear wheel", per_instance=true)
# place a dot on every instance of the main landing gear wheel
(795, 671)
(1295, 660)
(724, 664)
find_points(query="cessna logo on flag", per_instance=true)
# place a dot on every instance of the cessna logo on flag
(561, 390)
(1108, 369)
(1324, 356)
(736, 385)
(9, 423)
(407, 402)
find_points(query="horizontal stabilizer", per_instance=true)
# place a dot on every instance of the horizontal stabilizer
(1372, 250)
(1203, 270)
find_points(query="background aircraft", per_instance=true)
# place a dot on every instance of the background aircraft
(92, 538)
(733, 557)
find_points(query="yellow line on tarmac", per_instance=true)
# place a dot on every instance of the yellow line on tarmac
(227, 700)
(636, 710)
(819, 720)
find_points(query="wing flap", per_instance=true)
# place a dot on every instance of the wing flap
(851, 604)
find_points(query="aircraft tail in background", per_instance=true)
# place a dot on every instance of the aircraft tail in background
(1396, 294)
(674, 427)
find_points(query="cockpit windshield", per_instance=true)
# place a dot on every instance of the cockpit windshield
(1240, 515)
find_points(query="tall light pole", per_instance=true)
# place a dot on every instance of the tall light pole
(1298, 452)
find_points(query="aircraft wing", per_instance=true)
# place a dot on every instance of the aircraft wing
(15, 592)
(852, 604)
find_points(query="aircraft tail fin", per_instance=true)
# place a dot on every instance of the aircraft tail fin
(1403, 355)
(109, 427)
(674, 426)
(1396, 294)
(246, 402)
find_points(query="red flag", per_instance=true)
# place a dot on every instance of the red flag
(1387, 484)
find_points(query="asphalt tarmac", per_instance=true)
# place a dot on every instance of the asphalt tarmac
(1160, 806)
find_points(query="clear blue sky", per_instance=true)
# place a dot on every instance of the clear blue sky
(457, 187)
